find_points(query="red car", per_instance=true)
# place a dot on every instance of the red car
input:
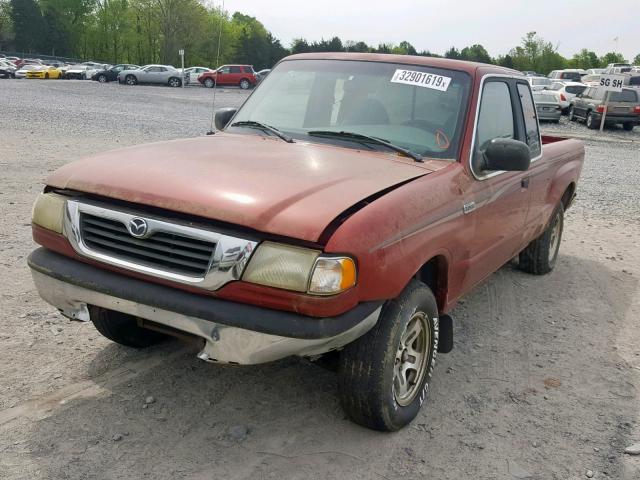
(240, 75)
(344, 209)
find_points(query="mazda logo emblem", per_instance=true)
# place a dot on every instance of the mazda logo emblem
(137, 227)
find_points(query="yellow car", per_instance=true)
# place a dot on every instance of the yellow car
(44, 72)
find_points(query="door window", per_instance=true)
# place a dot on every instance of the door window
(495, 119)
(223, 70)
(530, 120)
(235, 70)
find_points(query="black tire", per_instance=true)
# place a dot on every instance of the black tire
(123, 329)
(131, 80)
(245, 84)
(367, 369)
(628, 126)
(102, 78)
(209, 83)
(175, 82)
(540, 256)
(572, 114)
(591, 121)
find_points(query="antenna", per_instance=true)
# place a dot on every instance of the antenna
(215, 85)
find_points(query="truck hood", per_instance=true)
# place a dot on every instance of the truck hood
(259, 182)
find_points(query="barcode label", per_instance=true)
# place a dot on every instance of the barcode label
(421, 79)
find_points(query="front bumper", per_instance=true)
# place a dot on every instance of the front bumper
(232, 332)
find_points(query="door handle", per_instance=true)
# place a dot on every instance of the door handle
(524, 183)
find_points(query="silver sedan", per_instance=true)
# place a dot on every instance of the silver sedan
(547, 106)
(159, 74)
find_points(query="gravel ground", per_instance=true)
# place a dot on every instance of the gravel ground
(542, 384)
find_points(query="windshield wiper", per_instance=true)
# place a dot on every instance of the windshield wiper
(262, 126)
(359, 136)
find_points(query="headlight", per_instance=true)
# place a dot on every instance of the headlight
(300, 269)
(48, 211)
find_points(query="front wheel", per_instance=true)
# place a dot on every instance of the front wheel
(244, 84)
(209, 83)
(383, 377)
(539, 257)
(102, 78)
(591, 121)
(174, 82)
(131, 80)
(627, 126)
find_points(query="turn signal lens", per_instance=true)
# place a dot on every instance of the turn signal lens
(281, 266)
(48, 211)
(332, 275)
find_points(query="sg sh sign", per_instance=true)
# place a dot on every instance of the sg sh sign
(611, 83)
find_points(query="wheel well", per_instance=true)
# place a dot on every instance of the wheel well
(567, 196)
(434, 274)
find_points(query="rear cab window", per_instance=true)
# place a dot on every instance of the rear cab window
(626, 96)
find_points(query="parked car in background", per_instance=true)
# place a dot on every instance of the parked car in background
(22, 71)
(539, 83)
(155, 74)
(191, 74)
(21, 62)
(619, 70)
(565, 91)
(262, 74)
(7, 69)
(44, 72)
(547, 106)
(76, 72)
(92, 70)
(591, 79)
(568, 74)
(623, 108)
(596, 71)
(531, 73)
(111, 74)
(616, 65)
(240, 75)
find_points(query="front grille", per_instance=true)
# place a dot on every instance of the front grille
(170, 252)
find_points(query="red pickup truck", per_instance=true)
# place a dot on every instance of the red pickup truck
(342, 210)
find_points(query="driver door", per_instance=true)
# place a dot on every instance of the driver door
(497, 202)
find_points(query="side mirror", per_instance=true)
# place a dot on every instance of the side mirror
(222, 117)
(507, 154)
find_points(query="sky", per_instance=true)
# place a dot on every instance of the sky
(436, 25)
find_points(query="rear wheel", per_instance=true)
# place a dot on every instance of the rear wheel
(383, 377)
(130, 80)
(539, 257)
(123, 329)
(102, 78)
(591, 121)
(244, 84)
(627, 126)
(175, 82)
(209, 83)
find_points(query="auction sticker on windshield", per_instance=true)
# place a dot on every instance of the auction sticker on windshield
(421, 79)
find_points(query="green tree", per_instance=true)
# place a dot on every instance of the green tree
(636, 60)
(476, 53)
(453, 53)
(300, 45)
(28, 25)
(505, 61)
(534, 53)
(405, 48)
(612, 57)
(353, 46)
(6, 24)
(585, 59)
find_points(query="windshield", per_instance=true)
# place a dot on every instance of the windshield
(541, 81)
(418, 108)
